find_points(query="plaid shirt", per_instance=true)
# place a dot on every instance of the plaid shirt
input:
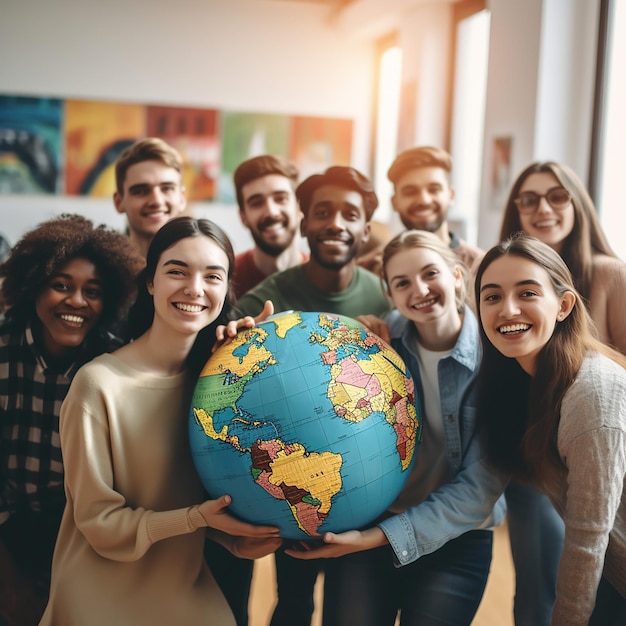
(31, 394)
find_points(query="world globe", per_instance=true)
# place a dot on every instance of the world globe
(308, 421)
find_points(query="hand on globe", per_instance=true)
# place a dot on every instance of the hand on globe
(215, 515)
(225, 334)
(340, 544)
(375, 325)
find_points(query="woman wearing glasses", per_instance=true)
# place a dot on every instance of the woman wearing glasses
(548, 201)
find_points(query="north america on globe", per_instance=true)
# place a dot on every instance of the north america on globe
(313, 410)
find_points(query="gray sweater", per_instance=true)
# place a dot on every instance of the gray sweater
(589, 495)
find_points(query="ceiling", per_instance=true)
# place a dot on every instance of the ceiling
(367, 16)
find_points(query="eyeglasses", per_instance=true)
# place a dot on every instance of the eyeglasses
(528, 202)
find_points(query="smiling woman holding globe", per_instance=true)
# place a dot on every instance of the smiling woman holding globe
(130, 546)
(430, 553)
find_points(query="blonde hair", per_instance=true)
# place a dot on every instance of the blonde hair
(411, 239)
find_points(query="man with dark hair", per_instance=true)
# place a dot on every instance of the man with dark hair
(337, 207)
(423, 196)
(149, 189)
(265, 187)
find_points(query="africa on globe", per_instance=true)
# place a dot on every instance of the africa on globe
(308, 421)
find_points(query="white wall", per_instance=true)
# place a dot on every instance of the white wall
(272, 56)
(540, 91)
(239, 55)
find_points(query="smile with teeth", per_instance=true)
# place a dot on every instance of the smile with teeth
(513, 328)
(334, 243)
(189, 308)
(74, 319)
(425, 304)
(546, 223)
(156, 214)
(275, 225)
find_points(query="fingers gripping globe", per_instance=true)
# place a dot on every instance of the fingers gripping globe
(308, 421)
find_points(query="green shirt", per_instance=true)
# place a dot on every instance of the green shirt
(291, 290)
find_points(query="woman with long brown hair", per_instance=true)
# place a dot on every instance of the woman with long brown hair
(552, 411)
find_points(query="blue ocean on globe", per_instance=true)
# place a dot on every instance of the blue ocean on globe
(308, 421)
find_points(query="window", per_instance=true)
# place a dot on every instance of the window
(607, 167)
(387, 117)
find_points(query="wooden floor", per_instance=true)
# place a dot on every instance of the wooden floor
(496, 609)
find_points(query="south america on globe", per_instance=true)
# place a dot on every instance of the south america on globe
(308, 421)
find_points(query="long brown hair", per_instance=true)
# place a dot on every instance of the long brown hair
(520, 429)
(586, 238)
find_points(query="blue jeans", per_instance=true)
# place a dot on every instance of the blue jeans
(441, 588)
(536, 533)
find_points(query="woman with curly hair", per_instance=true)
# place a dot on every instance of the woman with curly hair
(130, 544)
(66, 284)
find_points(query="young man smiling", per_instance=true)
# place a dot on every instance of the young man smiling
(423, 196)
(337, 207)
(149, 188)
(265, 187)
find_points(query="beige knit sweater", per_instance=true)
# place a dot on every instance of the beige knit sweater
(130, 546)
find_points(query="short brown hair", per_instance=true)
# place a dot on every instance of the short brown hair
(148, 149)
(260, 166)
(414, 158)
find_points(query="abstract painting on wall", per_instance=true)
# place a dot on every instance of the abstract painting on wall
(193, 132)
(316, 143)
(30, 145)
(246, 135)
(56, 146)
(96, 133)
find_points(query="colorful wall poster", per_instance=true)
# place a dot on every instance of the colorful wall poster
(96, 133)
(193, 132)
(316, 143)
(30, 145)
(245, 135)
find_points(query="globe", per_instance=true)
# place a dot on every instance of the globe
(308, 421)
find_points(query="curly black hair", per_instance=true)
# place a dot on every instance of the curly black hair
(46, 249)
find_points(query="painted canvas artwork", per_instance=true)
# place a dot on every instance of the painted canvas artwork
(316, 143)
(246, 135)
(56, 146)
(95, 135)
(30, 145)
(193, 132)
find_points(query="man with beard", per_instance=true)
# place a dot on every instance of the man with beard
(423, 195)
(337, 207)
(265, 187)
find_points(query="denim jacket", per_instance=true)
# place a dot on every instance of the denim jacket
(472, 499)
